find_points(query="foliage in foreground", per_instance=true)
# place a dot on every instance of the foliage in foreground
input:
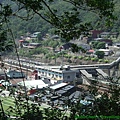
(108, 105)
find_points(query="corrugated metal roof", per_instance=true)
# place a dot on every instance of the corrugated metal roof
(58, 86)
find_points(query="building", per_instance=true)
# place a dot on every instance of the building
(36, 84)
(66, 46)
(2, 74)
(15, 74)
(109, 34)
(107, 41)
(117, 45)
(84, 46)
(23, 43)
(35, 34)
(95, 33)
(58, 86)
(62, 74)
(106, 51)
(33, 45)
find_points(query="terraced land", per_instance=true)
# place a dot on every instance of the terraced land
(8, 103)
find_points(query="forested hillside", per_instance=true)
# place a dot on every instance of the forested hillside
(36, 23)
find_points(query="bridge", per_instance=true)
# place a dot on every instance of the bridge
(108, 66)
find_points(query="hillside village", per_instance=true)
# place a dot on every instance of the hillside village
(93, 35)
(108, 46)
(64, 78)
(69, 72)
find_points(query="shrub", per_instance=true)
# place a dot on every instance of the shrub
(87, 58)
(75, 57)
(100, 54)
(106, 61)
(100, 60)
(94, 59)
(80, 57)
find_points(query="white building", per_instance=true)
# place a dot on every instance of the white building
(62, 74)
(37, 84)
(107, 52)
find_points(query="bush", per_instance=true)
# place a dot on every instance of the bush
(66, 55)
(100, 60)
(80, 57)
(94, 59)
(87, 58)
(100, 54)
(75, 57)
(106, 61)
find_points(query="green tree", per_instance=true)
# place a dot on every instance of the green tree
(94, 44)
(100, 54)
(98, 45)
(101, 45)
(68, 23)
(5, 43)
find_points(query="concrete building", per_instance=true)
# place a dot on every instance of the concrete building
(62, 74)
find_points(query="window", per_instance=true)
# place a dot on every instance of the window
(68, 77)
(52, 75)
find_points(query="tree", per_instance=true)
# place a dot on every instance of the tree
(94, 44)
(5, 43)
(98, 44)
(100, 54)
(101, 45)
(68, 23)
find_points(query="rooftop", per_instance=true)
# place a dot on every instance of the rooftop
(58, 86)
(33, 83)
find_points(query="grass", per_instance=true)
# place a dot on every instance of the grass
(9, 102)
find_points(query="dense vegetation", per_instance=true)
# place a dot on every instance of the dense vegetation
(36, 23)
